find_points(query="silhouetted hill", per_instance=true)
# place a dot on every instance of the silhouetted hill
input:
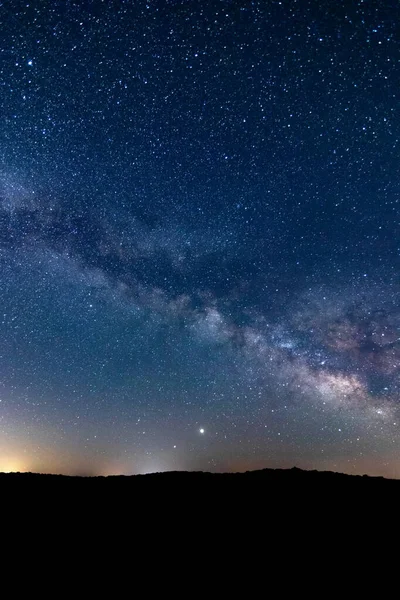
(285, 504)
(272, 481)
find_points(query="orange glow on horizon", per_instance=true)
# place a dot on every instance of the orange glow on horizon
(11, 465)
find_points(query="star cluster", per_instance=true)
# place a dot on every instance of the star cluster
(199, 236)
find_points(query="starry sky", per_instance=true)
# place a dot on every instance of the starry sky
(199, 235)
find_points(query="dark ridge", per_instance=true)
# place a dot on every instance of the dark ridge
(285, 505)
(261, 477)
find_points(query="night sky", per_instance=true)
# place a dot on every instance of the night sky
(199, 236)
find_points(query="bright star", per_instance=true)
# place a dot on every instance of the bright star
(201, 430)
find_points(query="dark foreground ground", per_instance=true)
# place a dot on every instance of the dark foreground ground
(271, 480)
(284, 513)
(267, 487)
(263, 477)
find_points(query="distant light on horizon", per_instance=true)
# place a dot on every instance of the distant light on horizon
(11, 466)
